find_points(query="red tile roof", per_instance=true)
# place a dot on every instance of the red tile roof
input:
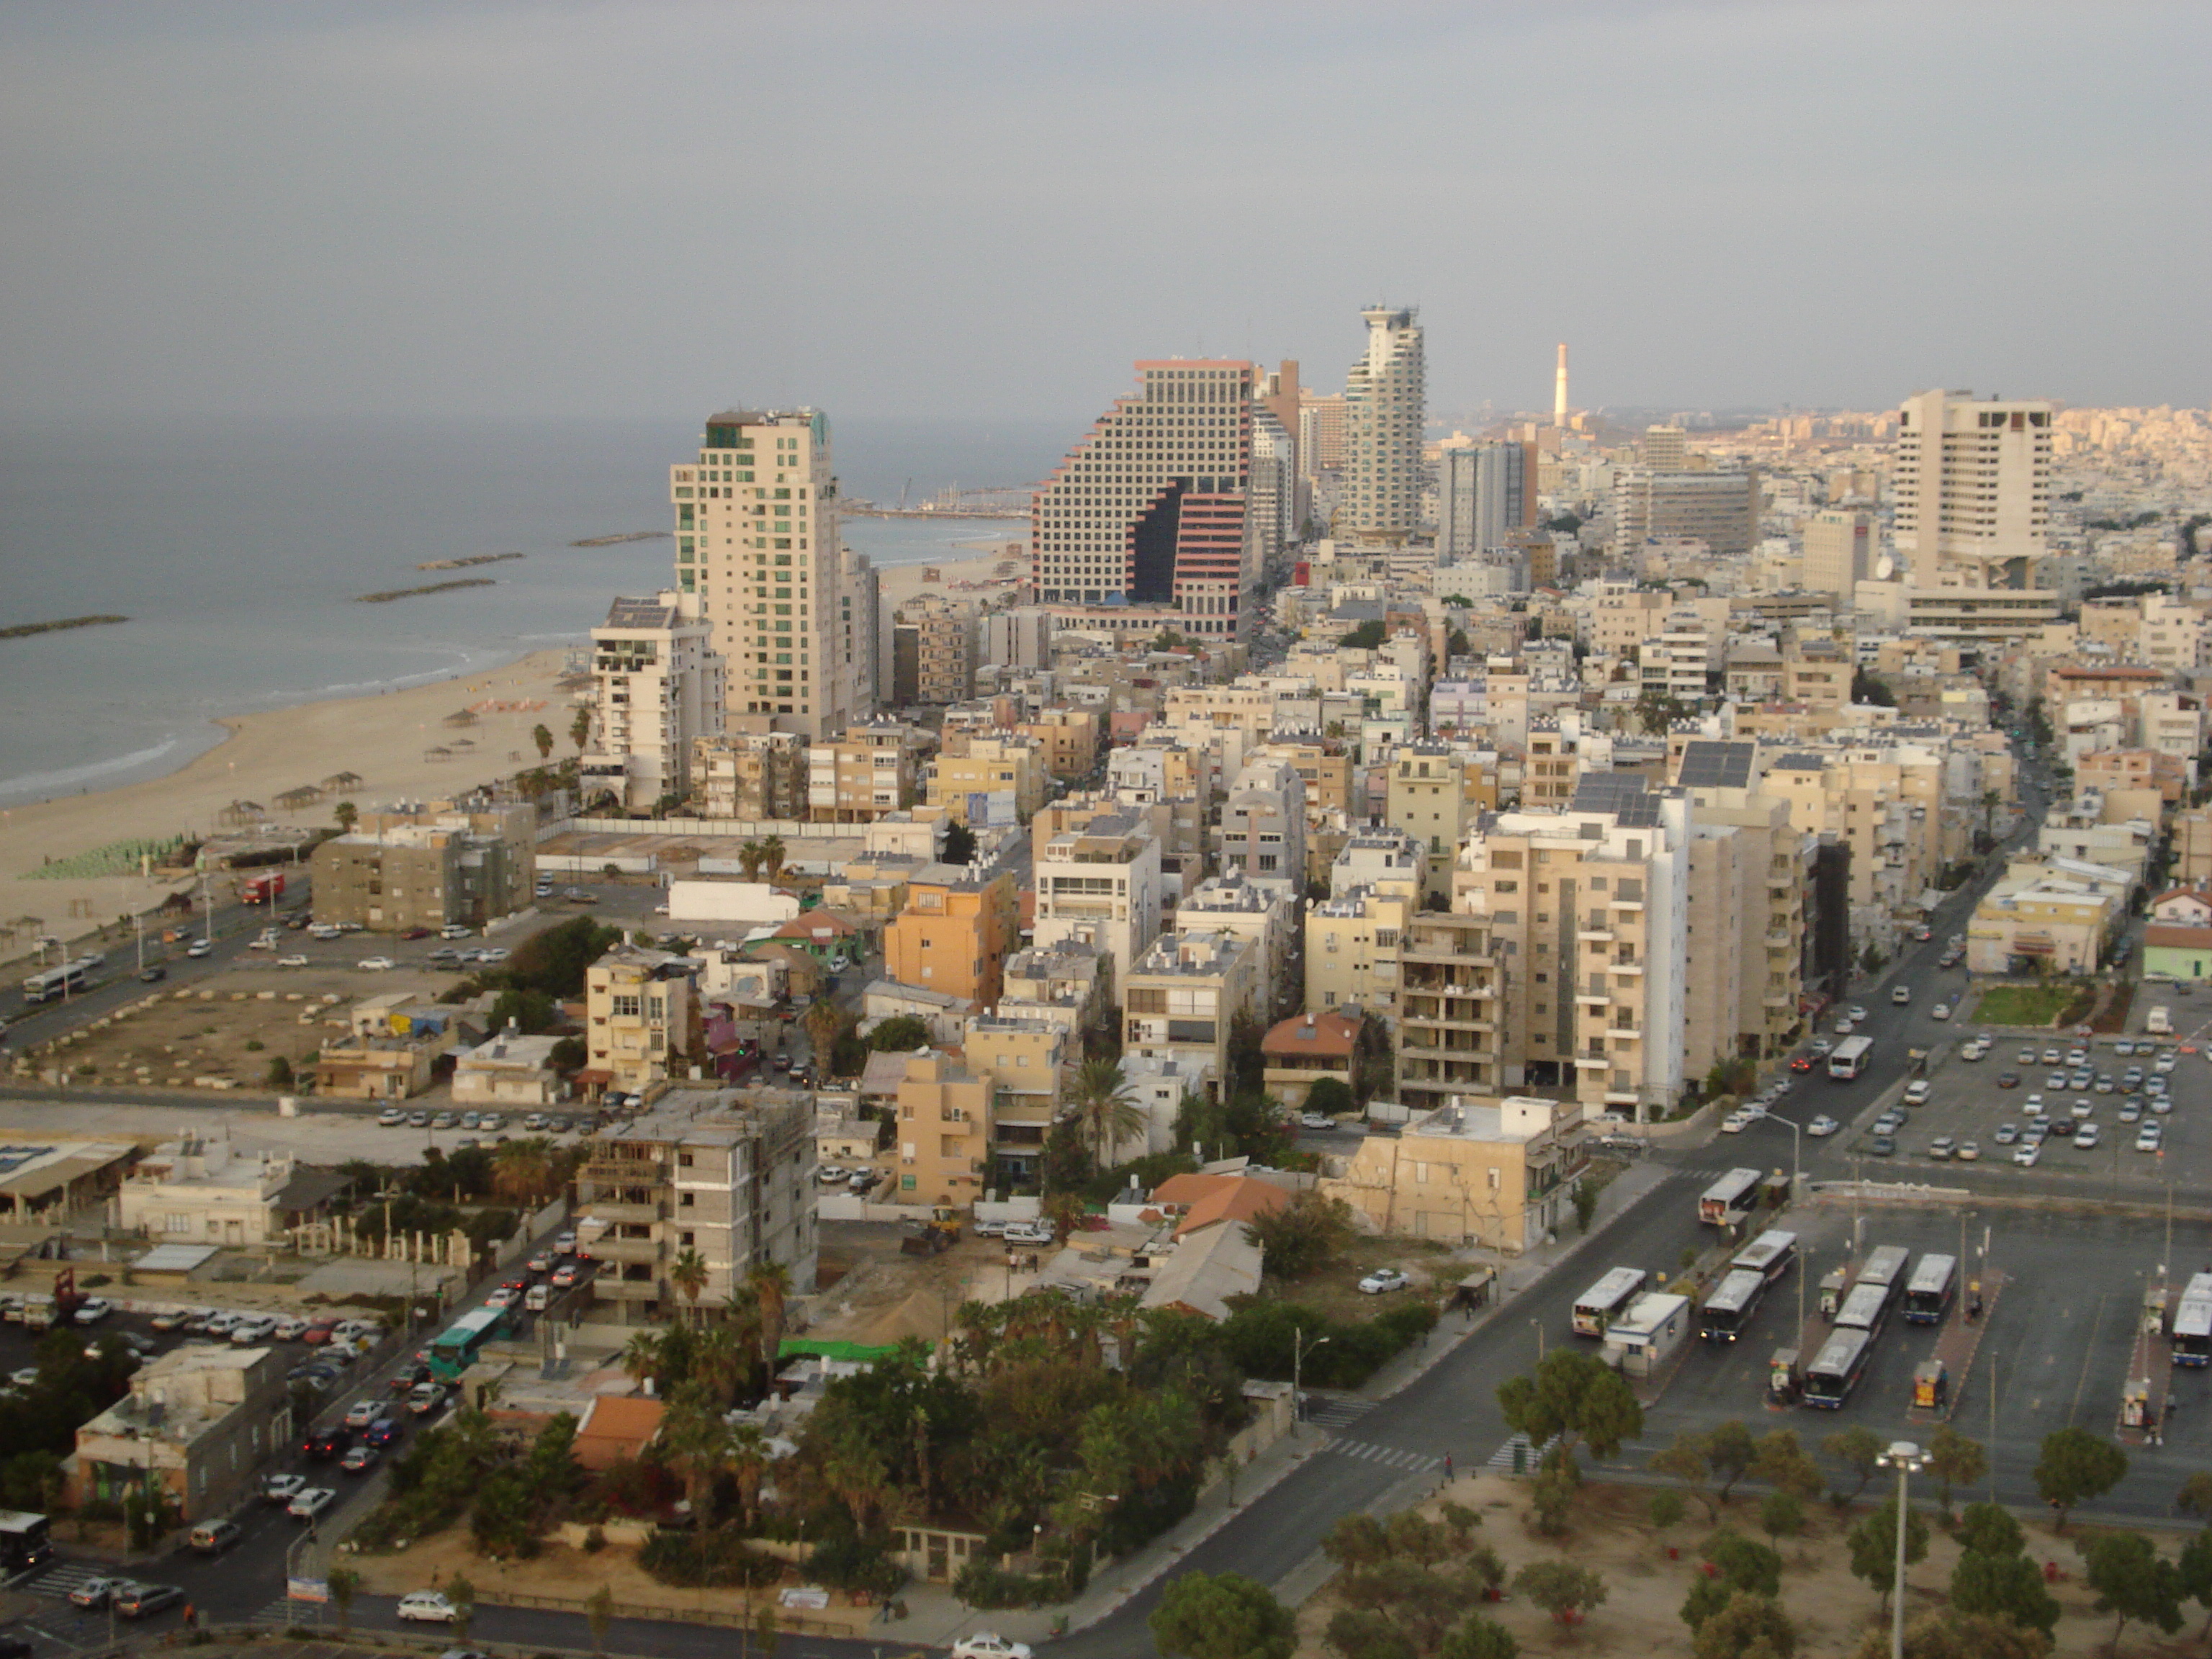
(1326, 1032)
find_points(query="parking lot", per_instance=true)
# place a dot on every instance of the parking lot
(2063, 1337)
(1969, 1107)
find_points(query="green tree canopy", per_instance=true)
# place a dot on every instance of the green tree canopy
(2075, 1467)
(1572, 1395)
(1368, 636)
(2132, 1583)
(2009, 1587)
(1749, 1627)
(1873, 1545)
(1222, 1616)
(900, 1033)
(1303, 1235)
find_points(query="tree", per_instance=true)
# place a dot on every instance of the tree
(1870, 689)
(1104, 1110)
(1997, 1586)
(348, 814)
(1222, 1615)
(688, 1274)
(1730, 1451)
(1666, 1511)
(1781, 1515)
(1331, 1097)
(2075, 1467)
(1685, 1460)
(1859, 1450)
(1480, 1639)
(1584, 1195)
(2132, 1582)
(1954, 1461)
(599, 1614)
(1784, 1464)
(1552, 1493)
(2195, 1565)
(2195, 1497)
(900, 1033)
(772, 856)
(770, 1283)
(749, 861)
(579, 729)
(959, 844)
(1989, 1529)
(1357, 1539)
(342, 1582)
(1303, 1235)
(1367, 1633)
(544, 739)
(1874, 1547)
(1749, 1627)
(1572, 1395)
(1953, 1635)
(1368, 636)
(1561, 1588)
(462, 1594)
(279, 1075)
(1739, 1567)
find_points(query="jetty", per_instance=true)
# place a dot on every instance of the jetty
(628, 536)
(24, 630)
(465, 563)
(392, 593)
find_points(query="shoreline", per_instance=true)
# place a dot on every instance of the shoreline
(387, 736)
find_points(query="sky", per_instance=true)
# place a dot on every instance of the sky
(932, 208)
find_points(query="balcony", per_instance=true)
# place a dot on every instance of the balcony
(1633, 907)
(1594, 935)
(1590, 998)
(643, 1250)
(614, 1213)
(608, 1288)
(1624, 965)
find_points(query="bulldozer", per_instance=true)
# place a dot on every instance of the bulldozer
(931, 1237)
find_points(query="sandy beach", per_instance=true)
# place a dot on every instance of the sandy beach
(383, 737)
(966, 578)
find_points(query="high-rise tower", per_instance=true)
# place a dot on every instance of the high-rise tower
(1972, 484)
(1559, 389)
(1386, 399)
(756, 540)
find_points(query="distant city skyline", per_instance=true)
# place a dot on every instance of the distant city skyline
(986, 211)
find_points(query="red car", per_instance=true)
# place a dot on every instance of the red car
(1800, 1062)
(416, 932)
(318, 1332)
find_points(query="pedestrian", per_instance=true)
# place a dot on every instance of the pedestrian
(1447, 1466)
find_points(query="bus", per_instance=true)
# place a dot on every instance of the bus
(1865, 1309)
(1729, 1308)
(459, 1346)
(64, 980)
(1842, 1361)
(1885, 1266)
(1770, 1256)
(23, 1541)
(1597, 1306)
(1849, 1058)
(2193, 1330)
(1928, 1293)
(1728, 1199)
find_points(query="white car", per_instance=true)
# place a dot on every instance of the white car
(1736, 1122)
(1822, 1125)
(2027, 1153)
(988, 1644)
(362, 1412)
(428, 1607)
(375, 964)
(455, 930)
(93, 1309)
(1316, 1120)
(289, 1329)
(309, 1502)
(294, 960)
(1970, 1151)
(494, 954)
(1383, 1280)
(392, 1117)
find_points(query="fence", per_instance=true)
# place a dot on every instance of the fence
(787, 1623)
(712, 828)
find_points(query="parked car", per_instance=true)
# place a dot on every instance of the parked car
(93, 1309)
(1822, 1125)
(1383, 1280)
(375, 964)
(988, 1644)
(426, 1607)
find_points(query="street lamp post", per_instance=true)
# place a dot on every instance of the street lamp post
(1907, 1459)
(1298, 1346)
(1537, 1325)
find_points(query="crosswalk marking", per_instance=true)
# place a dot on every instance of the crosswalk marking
(1531, 1455)
(1336, 1414)
(1390, 1456)
(59, 1581)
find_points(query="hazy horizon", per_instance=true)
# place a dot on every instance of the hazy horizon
(986, 212)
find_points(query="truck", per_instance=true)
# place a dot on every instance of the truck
(941, 1232)
(263, 889)
(2158, 1022)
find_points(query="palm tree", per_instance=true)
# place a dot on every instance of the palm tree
(688, 1274)
(748, 1461)
(748, 859)
(825, 1022)
(580, 727)
(770, 1282)
(640, 1358)
(721, 1362)
(772, 852)
(347, 814)
(1104, 1111)
(543, 738)
(522, 1173)
(698, 1441)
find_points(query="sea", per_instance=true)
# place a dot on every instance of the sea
(237, 548)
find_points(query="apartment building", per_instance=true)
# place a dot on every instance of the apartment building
(657, 688)
(641, 1011)
(974, 774)
(1263, 825)
(1385, 402)
(2044, 920)
(943, 1113)
(1746, 932)
(750, 775)
(196, 1425)
(1263, 913)
(1351, 944)
(756, 545)
(1840, 550)
(1028, 1060)
(1017, 638)
(1181, 997)
(960, 923)
(1482, 492)
(1100, 885)
(1069, 738)
(1431, 800)
(1720, 509)
(1307, 1048)
(1496, 1173)
(946, 647)
(1970, 484)
(428, 866)
(1561, 963)
(727, 1174)
(870, 772)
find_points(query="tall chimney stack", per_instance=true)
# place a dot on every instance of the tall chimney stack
(1559, 389)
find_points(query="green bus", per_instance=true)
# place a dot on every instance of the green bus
(459, 1346)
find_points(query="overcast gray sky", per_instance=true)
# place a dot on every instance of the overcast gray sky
(989, 209)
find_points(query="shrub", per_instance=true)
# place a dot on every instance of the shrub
(694, 1560)
(980, 1584)
(595, 1540)
(855, 1564)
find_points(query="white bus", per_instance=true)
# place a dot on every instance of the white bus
(64, 980)
(1885, 1266)
(1928, 1293)
(1831, 1377)
(1728, 1199)
(1729, 1308)
(1865, 1309)
(1849, 1058)
(1597, 1306)
(1770, 1255)
(2192, 1323)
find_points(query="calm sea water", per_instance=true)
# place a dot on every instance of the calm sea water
(237, 547)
